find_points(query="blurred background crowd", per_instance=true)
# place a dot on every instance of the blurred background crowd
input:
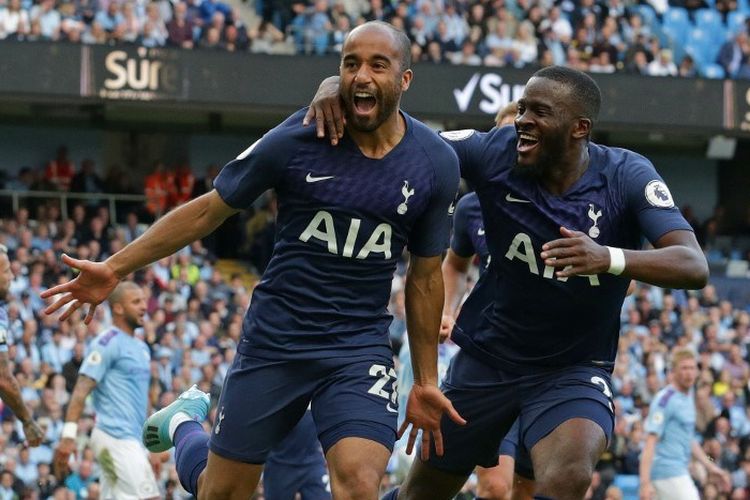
(196, 302)
(686, 38)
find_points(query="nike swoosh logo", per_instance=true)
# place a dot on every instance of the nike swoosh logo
(312, 179)
(463, 96)
(390, 408)
(480, 232)
(512, 199)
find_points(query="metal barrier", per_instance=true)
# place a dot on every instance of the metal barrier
(64, 196)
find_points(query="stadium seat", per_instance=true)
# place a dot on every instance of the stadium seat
(743, 6)
(672, 36)
(712, 71)
(647, 14)
(677, 24)
(629, 485)
(707, 19)
(702, 40)
(696, 52)
(735, 21)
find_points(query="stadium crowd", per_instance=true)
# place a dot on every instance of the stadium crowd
(656, 37)
(194, 322)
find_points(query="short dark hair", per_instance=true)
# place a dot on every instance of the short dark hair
(583, 88)
(401, 39)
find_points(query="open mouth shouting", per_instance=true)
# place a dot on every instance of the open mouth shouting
(526, 142)
(364, 102)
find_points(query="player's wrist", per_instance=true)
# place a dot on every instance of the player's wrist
(69, 430)
(616, 261)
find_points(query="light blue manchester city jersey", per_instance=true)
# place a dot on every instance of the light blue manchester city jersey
(672, 418)
(120, 364)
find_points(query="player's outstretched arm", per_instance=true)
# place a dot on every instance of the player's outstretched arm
(426, 403)
(677, 260)
(326, 110)
(10, 392)
(67, 446)
(454, 270)
(178, 228)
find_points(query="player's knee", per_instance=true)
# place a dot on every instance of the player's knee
(355, 481)
(565, 480)
(218, 490)
(494, 489)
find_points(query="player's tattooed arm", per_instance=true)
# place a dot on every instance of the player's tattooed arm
(426, 403)
(67, 445)
(10, 391)
(84, 386)
(327, 111)
(677, 260)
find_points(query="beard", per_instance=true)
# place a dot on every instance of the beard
(553, 150)
(386, 102)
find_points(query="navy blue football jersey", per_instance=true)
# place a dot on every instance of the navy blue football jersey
(520, 314)
(343, 223)
(468, 237)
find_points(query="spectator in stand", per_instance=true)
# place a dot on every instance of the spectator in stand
(87, 181)
(14, 21)
(159, 186)
(663, 65)
(60, 171)
(180, 28)
(733, 55)
(154, 30)
(49, 19)
(111, 20)
(132, 23)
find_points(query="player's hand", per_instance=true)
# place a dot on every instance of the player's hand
(724, 477)
(646, 491)
(33, 433)
(424, 410)
(446, 327)
(326, 109)
(92, 286)
(157, 460)
(577, 250)
(61, 459)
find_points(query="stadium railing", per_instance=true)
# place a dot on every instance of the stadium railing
(65, 197)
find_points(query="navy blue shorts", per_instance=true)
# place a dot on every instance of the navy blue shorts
(297, 465)
(262, 400)
(491, 400)
(510, 447)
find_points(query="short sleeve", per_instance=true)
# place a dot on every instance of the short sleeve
(99, 357)
(430, 234)
(461, 242)
(260, 167)
(467, 144)
(648, 197)
(657, 416)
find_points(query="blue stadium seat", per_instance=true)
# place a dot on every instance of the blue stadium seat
(676, 15)
(647, 14)
(708, 19)
(677, 24)
(672, 36)
(702, 40)
(743, 6)
(696, 52)
(735, 21)
(629, 485)
(712, 71)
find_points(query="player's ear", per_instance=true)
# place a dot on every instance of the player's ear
(582, 128)
(406, 79)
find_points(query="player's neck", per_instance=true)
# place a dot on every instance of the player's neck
(380, 142)
(123, 326)
(558, 179)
